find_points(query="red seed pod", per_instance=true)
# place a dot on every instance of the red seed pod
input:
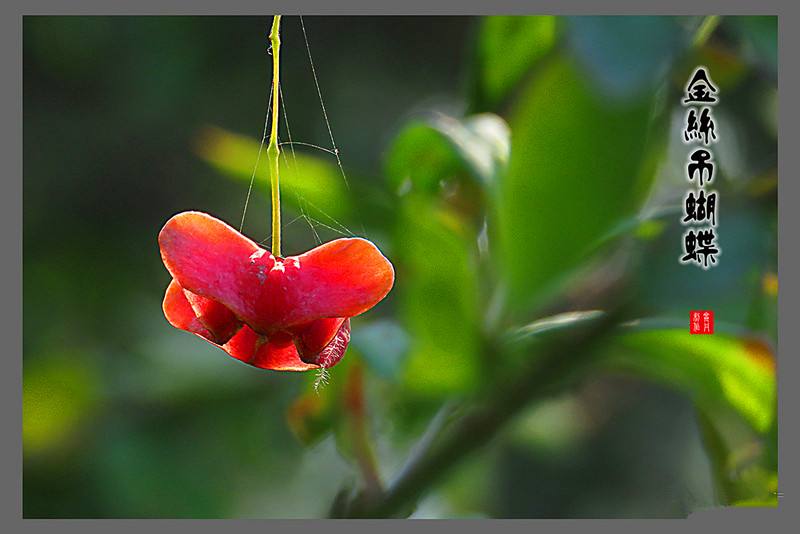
(284, 314)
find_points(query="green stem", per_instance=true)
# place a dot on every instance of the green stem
(272, 149)
(705, 30)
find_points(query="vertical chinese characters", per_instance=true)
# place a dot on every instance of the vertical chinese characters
(700, 206)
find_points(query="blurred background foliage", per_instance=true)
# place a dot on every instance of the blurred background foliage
(518, 171)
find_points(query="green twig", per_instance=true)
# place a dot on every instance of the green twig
(273, 150)
(705, 30)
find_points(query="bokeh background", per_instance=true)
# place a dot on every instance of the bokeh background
(511, 168)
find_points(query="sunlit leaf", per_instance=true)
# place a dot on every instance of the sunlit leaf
(727, 368)
(579, 166)
(715, 369)
(420, 157)
(58, 394)
(507, 48)
(427, 153)
(756, 486)
(308, 182)
(481, 141)
(755, 503)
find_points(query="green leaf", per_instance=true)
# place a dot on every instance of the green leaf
(755, 503)
(626, 55)
(729, 368)
(59, 394)
(556, 322)
(420, 158)
(438, 287)
(715, 370)
(308, 183)
(318, 410)
(579, 166)
(425, 154)
(507, 48)
(311, 416)
(481, 141)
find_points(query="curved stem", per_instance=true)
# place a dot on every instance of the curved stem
(273, 150)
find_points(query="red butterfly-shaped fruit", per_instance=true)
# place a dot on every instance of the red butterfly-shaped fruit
(284, 314)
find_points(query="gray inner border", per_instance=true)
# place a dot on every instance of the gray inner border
(732, 520)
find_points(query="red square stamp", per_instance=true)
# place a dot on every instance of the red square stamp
(701, 322)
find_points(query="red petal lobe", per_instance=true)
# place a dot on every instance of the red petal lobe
(218, 319)
(211, 259)
(179, 312)
(341, 278)
(277, 353)
(311, 338)
(334, 350)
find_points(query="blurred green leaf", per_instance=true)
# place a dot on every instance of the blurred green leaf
(351, 431)
(318, 410)
(425, 154)
(482, 143)
(309, 183)
(555, 425)
(560, 321)
(420, 157)
(726, 368)
(59, 393)
(714, 369)
(756, 486)
(383, 344)
(340, 406)
(647, 225)
(755, 503)
(311, 416)
(626, 55)
(507, 48)
(439, 298)
(578, 167)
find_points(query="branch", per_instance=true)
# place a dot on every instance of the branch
(555, 366)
